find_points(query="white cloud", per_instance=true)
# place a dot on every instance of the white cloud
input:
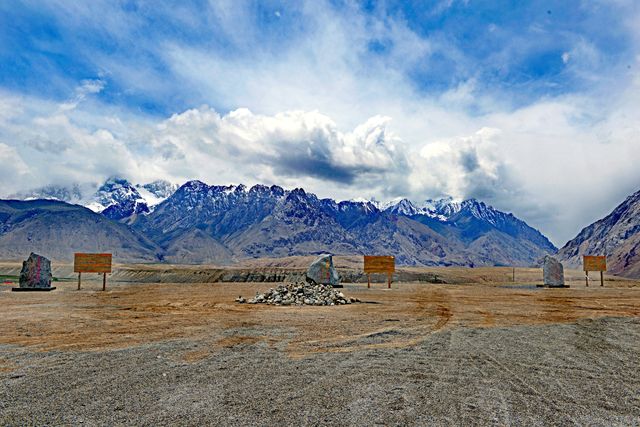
(322, 112)
(460, 167)
(291, 147)
(559, 163)
(14, 168)
(87, 87)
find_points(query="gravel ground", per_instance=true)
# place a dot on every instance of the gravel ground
(583, 373)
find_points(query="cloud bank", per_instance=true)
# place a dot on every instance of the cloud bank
(535, 113)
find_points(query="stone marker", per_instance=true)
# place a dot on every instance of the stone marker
(553, 273)
(322, 272)
(35, 274)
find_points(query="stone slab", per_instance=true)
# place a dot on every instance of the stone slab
(553, 272)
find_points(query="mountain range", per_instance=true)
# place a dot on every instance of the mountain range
(199, 223)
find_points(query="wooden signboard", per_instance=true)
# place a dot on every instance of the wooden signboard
(594, 263)
(92, 263)
(379, 264)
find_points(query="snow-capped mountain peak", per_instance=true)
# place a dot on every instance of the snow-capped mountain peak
(383, 206)
(116, 190)
(156, 191)
(403, 207)
(442, 209)
(482, 211)
(120, 200)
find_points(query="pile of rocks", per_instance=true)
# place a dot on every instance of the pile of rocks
(300, 293)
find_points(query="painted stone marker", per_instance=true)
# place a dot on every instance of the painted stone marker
(553, 272)
(35, 274)
(322, 271)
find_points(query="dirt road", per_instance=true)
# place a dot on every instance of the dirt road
(476, 353)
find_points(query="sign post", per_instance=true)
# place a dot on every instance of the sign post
(379, 264)
(594, 263)
(92, 263)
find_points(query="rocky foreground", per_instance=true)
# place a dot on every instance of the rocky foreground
(300, 293)
(519, 376)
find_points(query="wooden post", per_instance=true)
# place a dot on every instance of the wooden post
(586, 278)
(601, 278)
(104, 281)
(368, 280)
(389, 279)
(514, 275)
(79, 280)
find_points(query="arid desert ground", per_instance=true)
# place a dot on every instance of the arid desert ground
(168, 345)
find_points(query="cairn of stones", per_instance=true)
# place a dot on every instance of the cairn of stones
(300, 293)
(316, 289)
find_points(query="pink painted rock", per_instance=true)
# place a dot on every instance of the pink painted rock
(36, 272)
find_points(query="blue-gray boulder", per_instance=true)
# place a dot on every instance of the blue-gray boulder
(553, 272)
(322, 272)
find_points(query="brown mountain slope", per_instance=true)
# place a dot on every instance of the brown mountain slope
(617, 236)
(57, 230)
(196, 247)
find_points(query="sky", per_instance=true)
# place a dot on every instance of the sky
(530, 106)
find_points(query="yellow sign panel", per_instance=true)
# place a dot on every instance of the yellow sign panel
(595, 263)
(92, 263)
(379, 264)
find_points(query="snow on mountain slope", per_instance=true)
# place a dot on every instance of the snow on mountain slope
(403, 207)
(470, 220)
(441, 209)
(116, 198)
(159, 189)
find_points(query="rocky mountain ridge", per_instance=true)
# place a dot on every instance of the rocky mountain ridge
(266, 221)
(199, 223)
(617, 236)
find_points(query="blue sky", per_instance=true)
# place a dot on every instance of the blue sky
(513, 50)
(513, 102)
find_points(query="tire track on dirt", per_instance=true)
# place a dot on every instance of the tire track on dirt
(516, 379)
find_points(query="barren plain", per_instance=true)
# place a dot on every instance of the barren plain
(168, 345)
